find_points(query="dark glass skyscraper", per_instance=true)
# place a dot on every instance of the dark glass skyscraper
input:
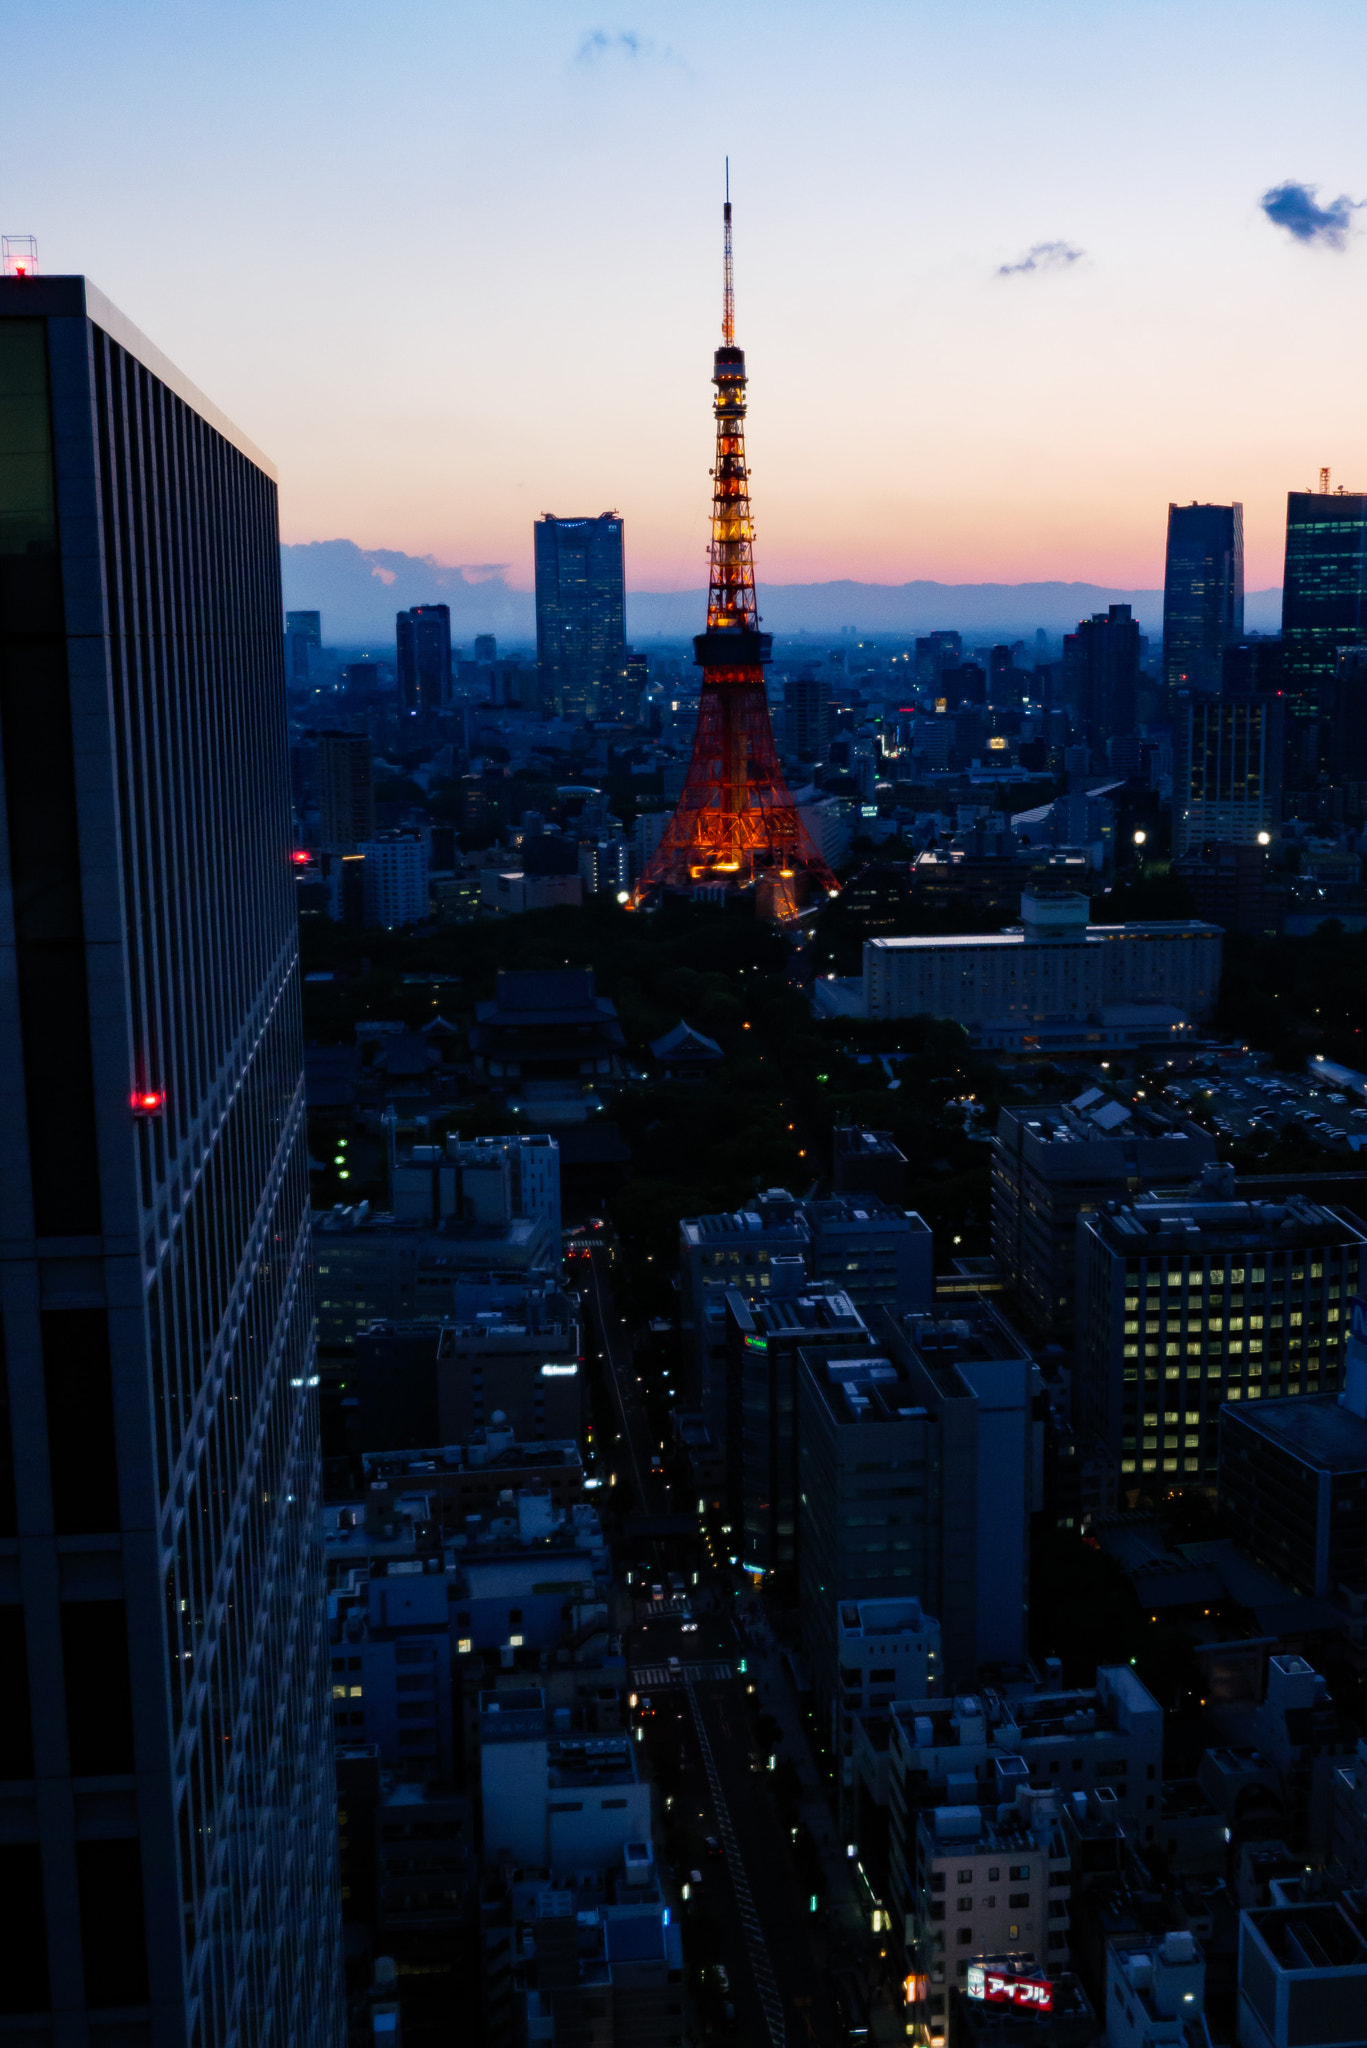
(1324, 607)
(580, 626)
(423, 634)
(1101, 673)
(169, 1855)
(1203, 593)
(1227, 769)
(303, 641)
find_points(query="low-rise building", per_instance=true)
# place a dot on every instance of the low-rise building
(1100, 1744)
(1056, 965)
(1302, 1977)
(1156, 1993)
(889, 1650)
(915, 1480)
(514, 1368)
(989, 1882)
(556, 1801)
(588, 1963)
(371, 1268)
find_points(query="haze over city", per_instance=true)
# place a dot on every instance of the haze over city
(1005, 275)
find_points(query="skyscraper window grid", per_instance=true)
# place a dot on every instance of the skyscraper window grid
(176, 1327)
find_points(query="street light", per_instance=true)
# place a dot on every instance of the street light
(1140, 837)
(1264, 839)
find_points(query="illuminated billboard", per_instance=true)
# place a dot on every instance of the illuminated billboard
(997, 1986)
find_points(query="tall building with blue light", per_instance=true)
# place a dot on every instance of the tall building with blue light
(169, 1856)
(580, 617)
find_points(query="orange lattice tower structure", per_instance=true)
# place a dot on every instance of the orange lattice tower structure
(736, 823)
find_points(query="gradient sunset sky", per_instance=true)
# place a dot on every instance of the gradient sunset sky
(456, 265)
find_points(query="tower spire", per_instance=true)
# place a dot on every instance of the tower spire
(736, 825)
(728, 292)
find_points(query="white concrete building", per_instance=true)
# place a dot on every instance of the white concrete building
(1057, 965)
(1156, 1993)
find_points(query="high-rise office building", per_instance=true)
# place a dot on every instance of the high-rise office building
(807, 717)
(580, 625)
(396, 892)
(303, 639)
(1183, 1303)
(1203, 593)
(346, 795)
(423, 638)
(170, 1844)
(1101, 672)
(1324, 607)
(1226, 769)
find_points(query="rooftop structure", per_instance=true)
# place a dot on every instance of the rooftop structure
(1050, 1161)
(1293, 1486)
(1155, 1993)
(1302, 1976)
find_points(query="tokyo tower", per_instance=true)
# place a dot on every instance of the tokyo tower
(736, 823)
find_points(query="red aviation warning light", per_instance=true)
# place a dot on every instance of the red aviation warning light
(301, 857)
(148, 1101)
(736, 826)
(19, 255)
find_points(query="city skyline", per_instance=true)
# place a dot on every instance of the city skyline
(1011, 306)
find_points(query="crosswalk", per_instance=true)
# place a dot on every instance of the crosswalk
(655, 1677)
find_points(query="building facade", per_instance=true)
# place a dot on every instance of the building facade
(346, 795)
(1203, 593)
(1052, 1162)
(1226, 770)
(1057, 965)
(172, 1854)
(1324, 607)
(580, 617)
(423, 647)
(1183, 1304)
(395, 883)
(1101, 673)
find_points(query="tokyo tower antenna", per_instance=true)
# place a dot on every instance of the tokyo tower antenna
(728, 296)
(736, 826)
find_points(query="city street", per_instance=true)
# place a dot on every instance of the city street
(750, 1908)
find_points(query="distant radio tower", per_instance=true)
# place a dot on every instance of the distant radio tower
(736, 823)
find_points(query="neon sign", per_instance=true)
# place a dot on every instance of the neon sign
(995, 1986)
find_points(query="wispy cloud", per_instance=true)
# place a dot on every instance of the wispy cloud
(1293, 206)
(1043, 256)
(621, 42)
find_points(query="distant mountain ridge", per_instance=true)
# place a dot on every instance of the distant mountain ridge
(358, 590)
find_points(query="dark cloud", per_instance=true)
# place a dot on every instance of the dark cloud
(1044, 256)
(1293, 206)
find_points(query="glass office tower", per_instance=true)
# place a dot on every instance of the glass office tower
(580, 625)
(1203, 593)
(169, 1855)
(1227, 769)
(1324, 607)
(423, 644)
